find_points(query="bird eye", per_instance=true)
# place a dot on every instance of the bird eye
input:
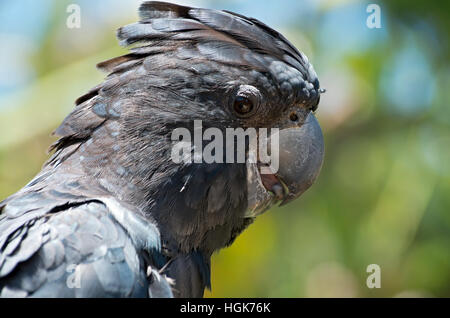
(242, 105)
(245, 101)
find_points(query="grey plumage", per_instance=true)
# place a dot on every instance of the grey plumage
(82, 239)
(111, 202)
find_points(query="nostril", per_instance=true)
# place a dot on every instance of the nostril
(293, 117)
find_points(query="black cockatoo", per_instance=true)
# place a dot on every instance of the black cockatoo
(111, 214)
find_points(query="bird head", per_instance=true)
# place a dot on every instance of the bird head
(225, 70)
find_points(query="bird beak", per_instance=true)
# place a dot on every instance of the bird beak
(301, 152)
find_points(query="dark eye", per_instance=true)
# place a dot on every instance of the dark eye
(242, 105)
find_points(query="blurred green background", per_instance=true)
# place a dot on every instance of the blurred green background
(383, 196)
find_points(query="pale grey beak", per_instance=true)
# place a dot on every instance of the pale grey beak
(301, 152)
